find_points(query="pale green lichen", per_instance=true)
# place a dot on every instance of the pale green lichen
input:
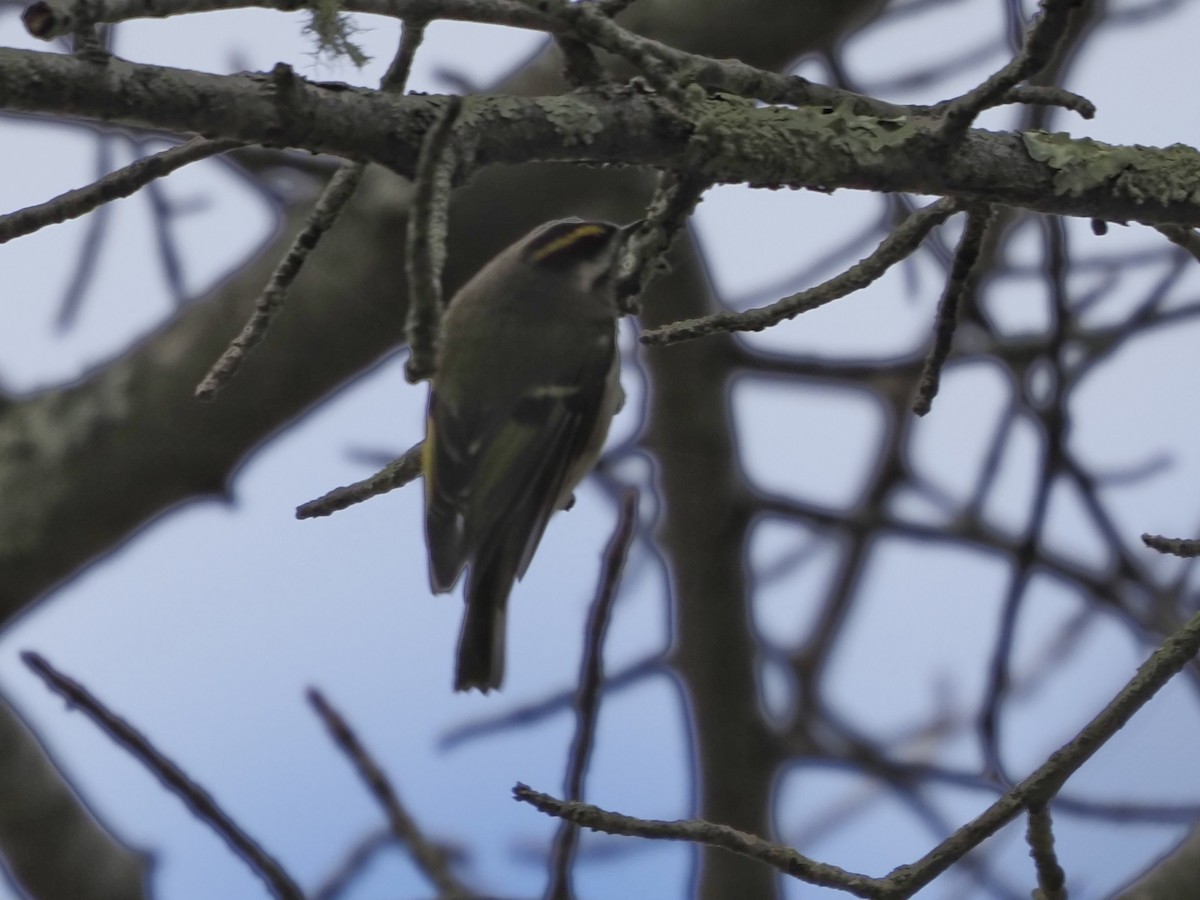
(736, 128)
(875, 133)
(1080, 164)
(334, 31)
(1142, 174)
(578, 124)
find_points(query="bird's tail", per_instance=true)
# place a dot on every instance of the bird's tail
(481, 642)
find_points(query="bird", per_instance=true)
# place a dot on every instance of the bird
(526, 384)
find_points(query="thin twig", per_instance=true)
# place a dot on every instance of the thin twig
(1040, 787)
(587, 699)
(426, 245)
(88, 40)
(1051, 95)
(1040, 835)
(959, 290)
(643, 257)
(397, 473)
(1041, 40)
(896, 246)
(736, 77)
(699, 831)
(352, 865)
(430, 858)
(199, 801)
(412, 35)
(1188, 548)
(121, 183)
(586, 23)
(582, 66)
(328, 209)
(48, 20)
(592, 25)
(1187, 238)
(1036, 790)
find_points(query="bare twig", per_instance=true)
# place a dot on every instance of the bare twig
(326, 212)
(397, 473)
(586, 23)
(88, 40)
(430, 858)
(352, 865)
(895, 247)
(1040, 835)
(587, 699)
(671, 69)
(412, 35)
(121, 183)
(1051, 95)
(173, 778)
(582, 67)
(1040, 787)
(1188, 548)
(643, 257)
(1040, 43)
(426, 246)
(1187, 238)
(698, 831)
(48, 20)
(329, 207)
(1035, 791)
(960, 288)
(593, 26)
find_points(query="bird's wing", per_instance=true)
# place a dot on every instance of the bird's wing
(493, 495)
(447, 463)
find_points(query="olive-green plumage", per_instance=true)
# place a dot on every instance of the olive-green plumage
(525, 388)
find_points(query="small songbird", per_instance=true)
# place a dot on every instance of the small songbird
(526, 385)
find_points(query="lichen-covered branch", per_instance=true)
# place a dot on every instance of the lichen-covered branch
(720, 140)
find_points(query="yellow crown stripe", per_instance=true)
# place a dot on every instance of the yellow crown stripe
(567, 240)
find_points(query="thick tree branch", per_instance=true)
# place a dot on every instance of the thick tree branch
(721, 140)
(50, 843)
(50, 20)
(579, 26)
(86, 465)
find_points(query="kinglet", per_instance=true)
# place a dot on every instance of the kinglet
(519, 407)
